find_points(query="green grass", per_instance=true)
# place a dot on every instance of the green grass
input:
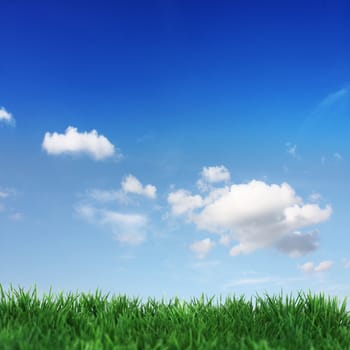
(95, 321)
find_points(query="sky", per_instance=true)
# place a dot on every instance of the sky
(173, 148)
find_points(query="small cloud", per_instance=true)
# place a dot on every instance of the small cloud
(292, 150)
(183, 202)
(315, 197)
(323, 266)
(6, 117)
(73, 142)
(211, 175)
(323, 160)
(202, 248)
(131, 184)
(127, 228)
(337, 156)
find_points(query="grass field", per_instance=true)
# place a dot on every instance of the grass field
(96, 321)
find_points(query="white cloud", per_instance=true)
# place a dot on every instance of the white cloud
(255, 214)
(309, 267)
(183, 202)
(108, 196)
(211, 175)
(203, 247)
(346, 263)
(73, 142)
(131, 184)
(292, 150)
(335, 97)
(127, 228)
(6, 117)
(315, 197)
(215, 174)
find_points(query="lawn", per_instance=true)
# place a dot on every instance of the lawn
(96, 321)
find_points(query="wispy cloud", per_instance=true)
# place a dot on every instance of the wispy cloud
(346, 263)
(108, 196)
(337, 156)
(6, 117)
(203, 247)
(75, 142)
(335, 97)
(292, 150)
(315, 197)
(127, 228)
(262, 280)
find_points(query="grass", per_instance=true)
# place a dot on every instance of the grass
(95, 321)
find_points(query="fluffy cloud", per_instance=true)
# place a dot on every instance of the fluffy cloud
(182, 202)
(74, 142)
(6, 117)
(203, 247)
(255, 214)
(127, 228)
(309, 267)
(211, 175)
(131, 184)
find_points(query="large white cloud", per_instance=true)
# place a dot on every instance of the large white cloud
(74, 142)
(127, 228)
(6, 116)
(255, 214)
(131, 184)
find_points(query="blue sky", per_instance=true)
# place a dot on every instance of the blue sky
(168, 148)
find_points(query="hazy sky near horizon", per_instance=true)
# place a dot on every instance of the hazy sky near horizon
(169, 147)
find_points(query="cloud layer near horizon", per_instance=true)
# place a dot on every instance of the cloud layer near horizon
(256, 214)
